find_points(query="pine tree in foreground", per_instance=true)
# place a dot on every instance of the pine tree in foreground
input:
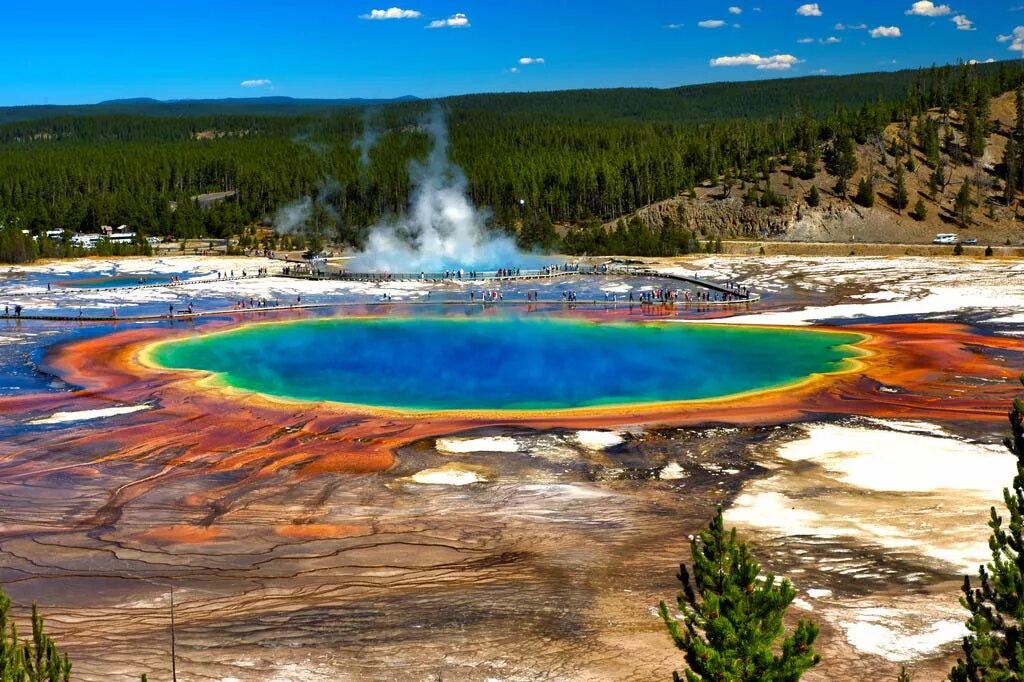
(33, 660)
(994, 649)
(732, 616)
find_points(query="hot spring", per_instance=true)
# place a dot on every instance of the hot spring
(504, 363)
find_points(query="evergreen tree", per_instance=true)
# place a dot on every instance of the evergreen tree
(974, 131)
(865, 192)
(994, 649)
(732, 616)
(1010, 162)
(964, 204)
(1018, 131)
(814, 197)
(899, 191)
(920, 211)
(841, 161)
(33, 660)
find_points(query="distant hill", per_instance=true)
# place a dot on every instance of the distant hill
(816, 95)
(233, 106)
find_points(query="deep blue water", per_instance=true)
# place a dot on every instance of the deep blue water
(505, 363)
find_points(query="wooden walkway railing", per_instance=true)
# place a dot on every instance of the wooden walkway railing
(380, 277)
(735, 297)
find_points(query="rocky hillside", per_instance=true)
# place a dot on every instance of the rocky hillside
(730, 210)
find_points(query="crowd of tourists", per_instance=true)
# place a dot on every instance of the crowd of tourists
(488, 296)
(260, 272)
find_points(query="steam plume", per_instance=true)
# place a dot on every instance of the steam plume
(365, 142)
(293, 216)
(442, 229)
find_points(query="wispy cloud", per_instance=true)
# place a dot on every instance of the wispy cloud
(963, 23)
(1016, 39)
(805, 41)
(257, 83)
(458, 20)
(777, 62)
(673, 27)
(886, 32)
(811, 9)
(735, 10)
(391, 13)
(526, 61)
(711, 23)
(927, 8)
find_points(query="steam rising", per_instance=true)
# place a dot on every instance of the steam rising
(316, 211)
(292, 216)
(442, 229)
(365, 142)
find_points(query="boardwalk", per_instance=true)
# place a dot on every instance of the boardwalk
(738, 299)
(597, 302)
(527, 275)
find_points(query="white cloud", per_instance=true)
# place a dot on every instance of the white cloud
(735, 10)
(776, 62)
(886, 32)
(857, 27)
(805, 41)
(526, 61)
(256, 83)
(458, 20)
(963, 23)
(391, 13)
(990, 60)
(927, 8)
(831, 40)
(711, 23)
(673, 27)
(1016, 39)
(514, 69)
(840, 27)
(811, 9)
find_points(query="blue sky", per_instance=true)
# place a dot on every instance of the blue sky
(70, 51)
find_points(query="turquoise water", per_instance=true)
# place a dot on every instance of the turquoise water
(504, 363)
(108, 282)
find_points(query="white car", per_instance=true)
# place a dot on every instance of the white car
(945, 239)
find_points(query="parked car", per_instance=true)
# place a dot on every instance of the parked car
(969, 242)
(945, 239)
